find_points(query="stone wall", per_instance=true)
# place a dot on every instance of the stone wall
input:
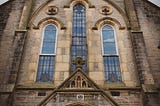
(129, 98)
(5, 11)
(30, 59)
(11, 13)
(148, 16)
(30, 93)
(28, 97)
(9, 21)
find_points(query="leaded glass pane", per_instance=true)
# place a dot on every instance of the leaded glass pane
(112, 69)
(109, 45)
(45, 68)
(48, 46)
(79, 46)
(109, 48)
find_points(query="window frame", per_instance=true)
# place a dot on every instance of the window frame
(73, 36)
(111, 55)
(41, 54)
(115, 38)
(43, 34)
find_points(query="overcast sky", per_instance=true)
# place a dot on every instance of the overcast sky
(157, 2)
(154, 1)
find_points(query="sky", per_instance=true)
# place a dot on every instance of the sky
(2, 1)
(157, 2)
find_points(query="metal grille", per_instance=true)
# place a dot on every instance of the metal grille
(110, 55)
(45, 68)
(79, 46)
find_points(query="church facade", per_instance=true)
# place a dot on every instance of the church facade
(79, 53)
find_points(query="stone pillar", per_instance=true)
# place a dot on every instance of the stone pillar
(141, 58)
(131, 14)
(149, 92)
(18, 47)
(18, 44)
(26, 14)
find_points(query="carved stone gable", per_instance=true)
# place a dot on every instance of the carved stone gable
(78, 81)
(78, 90)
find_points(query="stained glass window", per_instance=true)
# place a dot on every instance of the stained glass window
(47, 55)
(110, 55)
(79, 46)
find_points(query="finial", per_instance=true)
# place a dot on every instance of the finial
(79, 62)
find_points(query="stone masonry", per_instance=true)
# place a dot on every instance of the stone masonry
(137, 29)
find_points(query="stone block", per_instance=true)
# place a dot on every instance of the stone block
(63, 44)
(97, 76)
(66, 58)
(61, 66)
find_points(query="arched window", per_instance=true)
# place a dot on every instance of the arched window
(79, 45)
(47, 55)
(110, 55)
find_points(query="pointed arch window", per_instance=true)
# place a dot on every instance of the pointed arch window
(79, 45)
(47, 54)
(110, 55)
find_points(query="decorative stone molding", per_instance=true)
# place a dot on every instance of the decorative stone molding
(86, 3)
(106, 10)
(52, 10)
(78, 62)
(107, 20)
(76, 90)
(49, 20)
(35, 13)
(78, 81)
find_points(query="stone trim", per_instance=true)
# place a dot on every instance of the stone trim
(49, 20)
(126, 88)
(62, 88)
(120, 10)
(107, 20)
(86, 3)
(35, 13)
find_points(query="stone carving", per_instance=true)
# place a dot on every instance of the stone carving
(52, 10)
(79, 62)
(106, 10)
(78, 81)
(76, 99)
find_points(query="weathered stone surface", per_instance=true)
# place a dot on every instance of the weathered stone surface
(137, 28)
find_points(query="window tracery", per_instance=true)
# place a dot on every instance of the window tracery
(79, 46)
